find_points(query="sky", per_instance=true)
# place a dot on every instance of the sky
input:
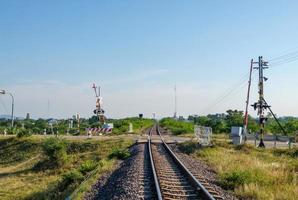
(137, 51)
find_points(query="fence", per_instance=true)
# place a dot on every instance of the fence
(274, 140)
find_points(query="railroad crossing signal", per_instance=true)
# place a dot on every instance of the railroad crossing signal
(261, 105)
(98, 110)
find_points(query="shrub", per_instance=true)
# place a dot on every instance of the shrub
(88, 166)
(179, 131)
(288, 152)
(232, 179)
(23, 133)
(188, 147)
(55, 150)
(72, 177)
(119, 154)
(236, 178)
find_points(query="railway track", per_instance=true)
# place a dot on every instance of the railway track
(171, 178)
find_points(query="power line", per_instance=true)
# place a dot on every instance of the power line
(234, 92)
(228, 92)
(285, 61)
(284, 56)
(277, 61)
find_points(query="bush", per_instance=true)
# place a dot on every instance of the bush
(55, 150)
(288, 152)
(119, 154)
(23, 133)
(72, 177)
(88, 166)
(188, 147)
(233, 179)
(179, 131)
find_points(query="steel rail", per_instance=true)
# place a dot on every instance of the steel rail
(156, 182)
(194, 181)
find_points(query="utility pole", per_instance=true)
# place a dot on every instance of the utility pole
(247, 99)
(78, 122)
(261, 105)
(12, 109)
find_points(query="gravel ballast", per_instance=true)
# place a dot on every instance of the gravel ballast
(201, 168)
(131, 180)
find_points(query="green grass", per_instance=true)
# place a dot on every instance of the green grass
(24, 174)
(119, 153)
(253, 173)
(105, 166)
(178, 127)
(121, 126)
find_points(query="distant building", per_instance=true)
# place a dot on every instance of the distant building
(28, 116)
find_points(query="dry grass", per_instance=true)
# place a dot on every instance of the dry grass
(254, 173)
(19, 180)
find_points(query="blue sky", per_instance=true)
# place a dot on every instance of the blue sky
(138, 50)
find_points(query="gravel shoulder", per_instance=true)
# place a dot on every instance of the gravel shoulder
(127, 180)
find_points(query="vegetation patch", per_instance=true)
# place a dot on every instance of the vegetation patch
(55, 150)
(253, 173)
(230, 180)
(177, 127)
(244, 148)
(188, 147)
(21, 157)
(119, 154)
(14, 150)
(88, 166)
(23, 133)
(286, 152)
(71, 177)
(121, 126)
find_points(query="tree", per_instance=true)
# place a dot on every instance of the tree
(234, 118)
(291, 126)
(252, 124)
